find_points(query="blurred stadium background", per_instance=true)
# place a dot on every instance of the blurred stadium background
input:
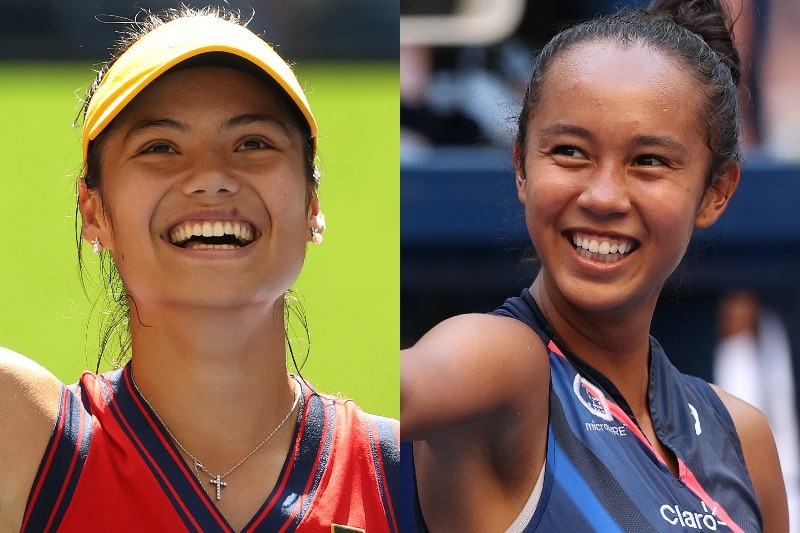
(346, 57)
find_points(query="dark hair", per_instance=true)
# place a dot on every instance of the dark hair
(695, 32)
(115, 321)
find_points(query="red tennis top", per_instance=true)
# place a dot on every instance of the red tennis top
(110, 466)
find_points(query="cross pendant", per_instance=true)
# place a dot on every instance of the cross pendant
(219, 483)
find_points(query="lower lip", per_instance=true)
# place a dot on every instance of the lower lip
(214, 253)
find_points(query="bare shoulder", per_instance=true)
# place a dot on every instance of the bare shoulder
(761, 457)
(474, 394)
(27, 385)
(469, 367)
(30, 396)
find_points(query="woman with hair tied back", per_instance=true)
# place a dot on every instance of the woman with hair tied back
(561, 413)
(199, 192)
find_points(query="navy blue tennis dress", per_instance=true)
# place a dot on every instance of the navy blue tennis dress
(601, 473)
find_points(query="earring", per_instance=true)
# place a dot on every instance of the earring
(316, 231)
(96, 246)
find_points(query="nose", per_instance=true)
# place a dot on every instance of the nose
(211, 175)
(606, 191)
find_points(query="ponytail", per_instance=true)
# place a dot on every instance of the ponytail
(708, 19)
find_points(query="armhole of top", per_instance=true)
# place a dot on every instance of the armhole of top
(529, 509)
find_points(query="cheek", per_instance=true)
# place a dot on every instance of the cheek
(287, 206)
(549, 192)
(132, 213)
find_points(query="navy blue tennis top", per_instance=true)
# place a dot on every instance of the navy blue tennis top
(603, 475)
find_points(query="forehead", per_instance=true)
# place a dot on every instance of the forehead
(620, 83)
(619, 65)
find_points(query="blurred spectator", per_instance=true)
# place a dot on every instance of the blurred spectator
(471, 95)
(779, 80)
(753, 361)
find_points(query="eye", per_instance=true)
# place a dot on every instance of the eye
(253, 144)
(650, 161)
(159, 148)
(568, 151)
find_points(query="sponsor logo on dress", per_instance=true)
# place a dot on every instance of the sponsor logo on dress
(677, 516)
(592, 398)
(697, 428)
(336, 528)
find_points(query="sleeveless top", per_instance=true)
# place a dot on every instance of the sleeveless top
(111, 466)
(601, 473)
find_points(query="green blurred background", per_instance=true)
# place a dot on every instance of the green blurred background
(349, 286)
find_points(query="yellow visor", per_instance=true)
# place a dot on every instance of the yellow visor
(172, 43)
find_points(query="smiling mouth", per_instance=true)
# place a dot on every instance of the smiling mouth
(603, 249)
(212, 235)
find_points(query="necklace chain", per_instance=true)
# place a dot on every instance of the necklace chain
(216, 479)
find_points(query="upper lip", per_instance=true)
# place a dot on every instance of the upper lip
(223, 226)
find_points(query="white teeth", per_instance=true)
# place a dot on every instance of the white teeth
(204, 246)
(244, 233)
(601, 247)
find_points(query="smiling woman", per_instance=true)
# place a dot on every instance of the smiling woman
(199, 192)
(562, 413)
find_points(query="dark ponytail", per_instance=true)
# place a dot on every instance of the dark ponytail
(695, 33)
(706, 18)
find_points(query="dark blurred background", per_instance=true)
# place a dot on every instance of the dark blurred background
(332, 29)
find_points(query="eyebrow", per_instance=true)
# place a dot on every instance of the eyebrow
(254, 118)
(158, 123)
(239, 120)
(662, 141)
(561, 128)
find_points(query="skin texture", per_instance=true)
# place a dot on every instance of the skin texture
(203, 143)
(614, 152)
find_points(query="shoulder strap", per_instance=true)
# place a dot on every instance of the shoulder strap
(61, 465)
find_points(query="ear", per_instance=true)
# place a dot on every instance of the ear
(94, 223)
(519, 172)
(313, 205)
(316, 220)
(717, 196)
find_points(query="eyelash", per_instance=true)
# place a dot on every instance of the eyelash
(562, 149)
(260, 142)
(572, 152)
(153, 148)
(660, 161)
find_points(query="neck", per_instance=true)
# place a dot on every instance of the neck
(616, 343)
(217, 378)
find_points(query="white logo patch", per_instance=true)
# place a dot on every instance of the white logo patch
(592, 398)
(697, 428)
